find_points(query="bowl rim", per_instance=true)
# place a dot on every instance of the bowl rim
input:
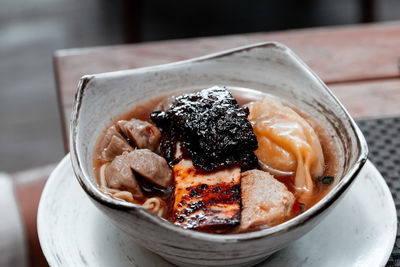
(287, 226)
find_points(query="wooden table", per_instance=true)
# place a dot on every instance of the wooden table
(359, 63)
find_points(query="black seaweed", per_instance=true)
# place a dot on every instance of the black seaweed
(213, 129)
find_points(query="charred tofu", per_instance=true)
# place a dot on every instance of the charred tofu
(206, 201)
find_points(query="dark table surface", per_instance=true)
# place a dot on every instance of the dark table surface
(383, 138)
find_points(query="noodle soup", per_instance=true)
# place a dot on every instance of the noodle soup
(218, 160)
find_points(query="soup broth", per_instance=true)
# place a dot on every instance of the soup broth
(322, 185)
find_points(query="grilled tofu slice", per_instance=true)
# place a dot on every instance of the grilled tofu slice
(206, 201)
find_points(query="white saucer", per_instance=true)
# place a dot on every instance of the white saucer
(360, 231)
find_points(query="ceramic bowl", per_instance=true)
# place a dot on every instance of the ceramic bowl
(267, 67)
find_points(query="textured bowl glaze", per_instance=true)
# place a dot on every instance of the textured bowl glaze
(267, 67)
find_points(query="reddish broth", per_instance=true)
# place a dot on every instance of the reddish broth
(243, 96)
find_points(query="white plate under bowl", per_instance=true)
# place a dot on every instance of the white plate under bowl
(360, 231)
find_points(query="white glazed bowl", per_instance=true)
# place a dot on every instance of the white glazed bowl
(267, 67)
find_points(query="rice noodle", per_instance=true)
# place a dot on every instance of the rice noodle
(156, 205)
(125, 195)
(103, 182)
(273, 171)
(110, 190)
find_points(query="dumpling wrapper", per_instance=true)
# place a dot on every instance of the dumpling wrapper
(286, 141)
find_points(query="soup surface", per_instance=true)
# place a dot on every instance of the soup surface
(219, 160)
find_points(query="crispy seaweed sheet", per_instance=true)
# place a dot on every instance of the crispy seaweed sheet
(213, 129)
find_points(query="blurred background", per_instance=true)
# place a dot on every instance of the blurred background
(30, 31)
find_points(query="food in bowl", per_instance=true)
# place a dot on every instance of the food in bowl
(218, 160)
